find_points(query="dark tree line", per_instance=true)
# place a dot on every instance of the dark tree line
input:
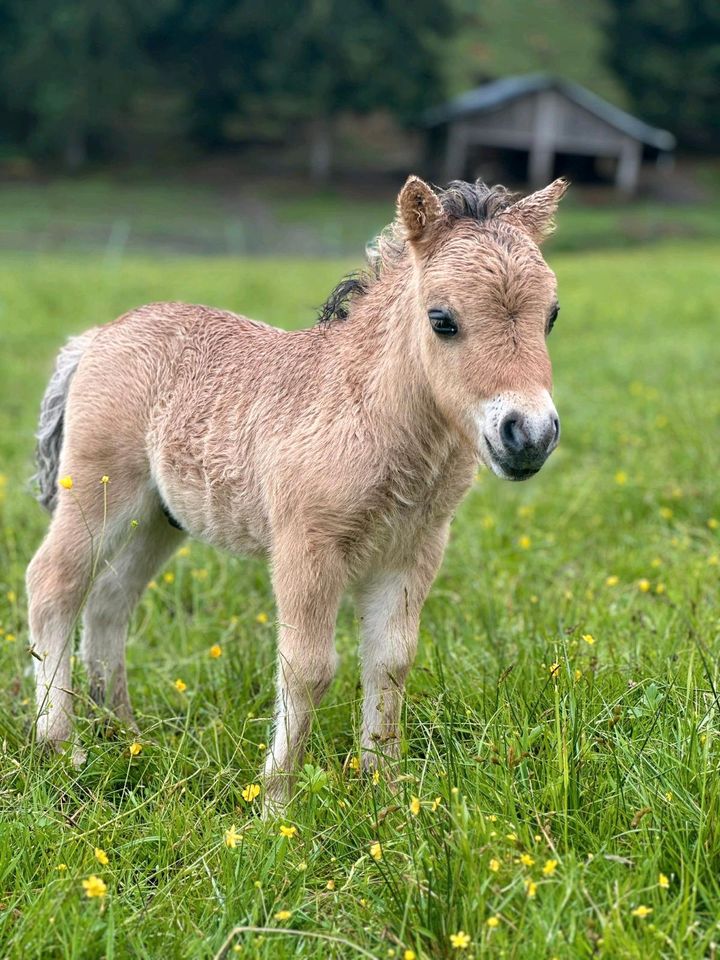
(77, 75)
(667, 55)
(74, 72)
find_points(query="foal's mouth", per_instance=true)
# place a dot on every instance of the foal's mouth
(502, 468)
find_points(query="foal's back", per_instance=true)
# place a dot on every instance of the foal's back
(176, 398)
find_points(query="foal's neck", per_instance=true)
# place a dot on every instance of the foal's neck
(379, 346)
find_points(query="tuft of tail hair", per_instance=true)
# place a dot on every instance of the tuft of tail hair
(52, 419)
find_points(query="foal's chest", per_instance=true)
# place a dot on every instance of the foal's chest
(401, 507)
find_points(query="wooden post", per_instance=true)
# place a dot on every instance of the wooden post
(542, 151)
(628, 167)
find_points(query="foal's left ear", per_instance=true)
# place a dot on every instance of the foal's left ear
(418, 207)
(534, 214)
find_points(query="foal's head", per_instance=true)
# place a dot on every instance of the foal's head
(485, 302)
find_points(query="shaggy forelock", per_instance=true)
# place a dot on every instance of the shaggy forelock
(474, 201)
(460, 201)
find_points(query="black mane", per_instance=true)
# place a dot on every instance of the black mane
(460, 201)
(337, 305)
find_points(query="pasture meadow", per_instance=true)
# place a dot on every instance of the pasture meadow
(558, 794)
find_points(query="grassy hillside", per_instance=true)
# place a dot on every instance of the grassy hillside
(555, 36)
(562, 724)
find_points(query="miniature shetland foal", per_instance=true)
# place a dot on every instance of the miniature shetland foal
(340, 452)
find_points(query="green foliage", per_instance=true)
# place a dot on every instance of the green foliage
(68, 71)
(236, 70)
(667, 55)
(524, 740)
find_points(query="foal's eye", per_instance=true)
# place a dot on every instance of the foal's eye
(443, 322)
(552, 316)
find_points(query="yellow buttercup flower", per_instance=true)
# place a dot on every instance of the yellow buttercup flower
(588, 638)
(215, 651)
(550, 868)
(409, 955)
(232, 837)
(524, 542)
(101, 856)
(251, 791)
(262, 618)
(460, 940)
(494, 865)
(135, 749)
(621, 478)
(530, 888)
(376, 851)
(612, 581)
(354, 763)
(415, 806)
(330, 885)
(94, 887)
(642, 911)
(283, 915)
(493, 922)
(526, 860)
(66, 482)
(180, 685)
(643, 585)
(288, 832)
(435, 804)
(663, 882)
(169, 577)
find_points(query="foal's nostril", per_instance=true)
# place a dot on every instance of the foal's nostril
(512, 434)
(556, 429)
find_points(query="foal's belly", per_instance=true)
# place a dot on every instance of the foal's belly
(226, 515)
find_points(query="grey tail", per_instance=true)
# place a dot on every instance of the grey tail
(52, 417)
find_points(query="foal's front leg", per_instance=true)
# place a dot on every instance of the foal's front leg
(308, 589)
(389, 604)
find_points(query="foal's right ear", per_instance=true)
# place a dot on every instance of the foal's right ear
(418, 207)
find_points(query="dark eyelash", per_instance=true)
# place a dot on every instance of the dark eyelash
(553, 316)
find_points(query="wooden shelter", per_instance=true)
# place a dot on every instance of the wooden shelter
(549, 120)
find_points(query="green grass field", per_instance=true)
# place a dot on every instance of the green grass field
(253, 216)
(562, 723)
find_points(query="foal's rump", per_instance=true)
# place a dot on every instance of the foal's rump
(101, 399)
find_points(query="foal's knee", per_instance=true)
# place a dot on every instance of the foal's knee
(391, 665)
(309, 673)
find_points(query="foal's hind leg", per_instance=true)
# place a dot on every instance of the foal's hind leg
(57, 581)
(110, 605)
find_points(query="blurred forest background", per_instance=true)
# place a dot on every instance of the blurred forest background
(230, 126)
